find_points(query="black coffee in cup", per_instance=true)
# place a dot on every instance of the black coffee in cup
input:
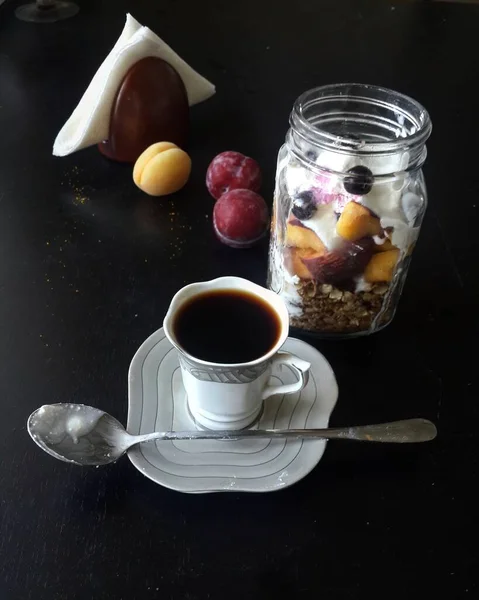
(227, 326)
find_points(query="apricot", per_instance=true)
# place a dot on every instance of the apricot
(162, 169)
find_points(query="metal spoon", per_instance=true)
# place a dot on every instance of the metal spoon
(84, 435)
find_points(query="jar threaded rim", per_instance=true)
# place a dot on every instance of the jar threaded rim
(389, 122)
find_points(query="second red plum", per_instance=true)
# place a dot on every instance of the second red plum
(240, 218)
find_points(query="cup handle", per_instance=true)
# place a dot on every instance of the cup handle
(299, 366)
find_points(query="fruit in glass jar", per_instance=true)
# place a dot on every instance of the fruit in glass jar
(294, 261)
(340, 265)
(304, 205)
(360, 181)
(231, 171)
(240, 218)
(162, 169)
(302, 237)
(357, 222)
(381, 266)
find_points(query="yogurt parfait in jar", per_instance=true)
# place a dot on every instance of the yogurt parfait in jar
(349, 201)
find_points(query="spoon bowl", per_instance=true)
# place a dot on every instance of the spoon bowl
(78, 434)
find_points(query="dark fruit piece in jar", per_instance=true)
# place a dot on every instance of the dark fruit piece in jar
(360, 182)
(232, 171)
(311, 155)
(342, 264)
(240, 218)
(304, 205)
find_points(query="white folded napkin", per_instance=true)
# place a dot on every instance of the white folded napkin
(89, 122)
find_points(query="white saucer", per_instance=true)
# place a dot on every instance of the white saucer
(157, 402)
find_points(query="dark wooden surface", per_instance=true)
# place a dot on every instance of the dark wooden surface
(88, 265)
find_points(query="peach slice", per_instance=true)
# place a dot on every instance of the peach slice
(293, 259)
(357, 222)
(381, 266)
(302, 237)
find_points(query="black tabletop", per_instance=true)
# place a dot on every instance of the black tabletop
(88, 265)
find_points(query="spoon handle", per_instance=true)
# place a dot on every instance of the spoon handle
(398, 432)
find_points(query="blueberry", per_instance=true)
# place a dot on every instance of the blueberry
(304, 205)
(311, 155)
(361, 181)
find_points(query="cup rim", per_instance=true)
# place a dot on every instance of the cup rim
(273, 300)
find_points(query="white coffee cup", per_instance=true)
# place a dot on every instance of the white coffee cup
(230, 396)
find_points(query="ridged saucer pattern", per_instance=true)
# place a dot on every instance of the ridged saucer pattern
(157, 402)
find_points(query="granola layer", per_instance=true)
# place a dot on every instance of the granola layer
(330, 310)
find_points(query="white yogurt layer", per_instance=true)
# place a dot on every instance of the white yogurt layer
(285, 284)
(291, 298)
(384, 201)
(323, 223)
(411, 206)
(362, 285)
(385, 165)
(336, 161)
(297, 178)
(379, 165)
(403, 235)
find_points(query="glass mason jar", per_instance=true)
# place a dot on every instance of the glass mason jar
(349, 201)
